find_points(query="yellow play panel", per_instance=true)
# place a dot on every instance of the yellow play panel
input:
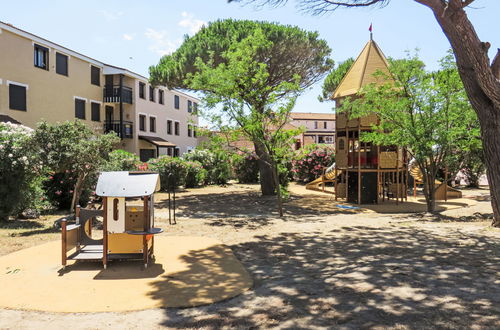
(188, 271)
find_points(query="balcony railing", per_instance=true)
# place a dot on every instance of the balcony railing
(112, 94)
(114, 126)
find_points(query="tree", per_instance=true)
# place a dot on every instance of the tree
(334, 78)
(427, 113)
(74, 147)
(252, 69)
(481, 78)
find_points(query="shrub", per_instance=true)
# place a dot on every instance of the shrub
(216, 163)
(121, 160)
(245, 167)
(59, 189)
(166, 165)
(195, 174)
(310, 161)
(19, 170)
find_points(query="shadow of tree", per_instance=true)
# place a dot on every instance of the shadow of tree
(360, 277)
(20, 224)
(249, 209)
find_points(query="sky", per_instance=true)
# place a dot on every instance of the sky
(135, 34)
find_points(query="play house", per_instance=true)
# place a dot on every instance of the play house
(128, 220)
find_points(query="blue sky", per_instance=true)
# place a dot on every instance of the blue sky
(135, 34)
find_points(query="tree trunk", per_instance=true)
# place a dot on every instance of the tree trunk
(278, 188)
(482, 84)
(267, 183)
(77, 191)
(430, 192)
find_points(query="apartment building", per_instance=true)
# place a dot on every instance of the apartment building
(41, 80)
(319, 127)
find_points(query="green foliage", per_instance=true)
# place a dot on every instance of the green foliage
(215, 161)
(120, 160)
(310, 161)
(19, 170)
(59, 189)
(428, 113)
(332, 81)
(196, 175)
(245, 167)
(172, 171)
(73, 147)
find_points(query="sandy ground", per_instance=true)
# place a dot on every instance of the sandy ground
(324, 266)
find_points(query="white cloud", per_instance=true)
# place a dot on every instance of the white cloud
(161, 43)
(128, 36)
(189, 22)
(110, 16)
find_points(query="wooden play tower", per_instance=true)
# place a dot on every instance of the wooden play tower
(366, 173)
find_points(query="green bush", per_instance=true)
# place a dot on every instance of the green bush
(310, 162)
(59, 189)
(120, 160)
(19, 170)
(196, 175)
(245, 167)
(166, 165)
(216, 163)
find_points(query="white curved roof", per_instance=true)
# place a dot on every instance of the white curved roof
(127, 184)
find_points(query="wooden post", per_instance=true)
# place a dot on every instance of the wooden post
(446, 183)
(64, 242)
(105, 232)
(146, 228)
(359, 163)
(77, 219)
(378, 173)
(335, 183)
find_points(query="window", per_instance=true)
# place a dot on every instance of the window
(324, 125)
(142, 90)
(189, 130)
(142, 122)
(195, 107)
(176, 152)
(169, 151)
(315, 125)
(194, 131)
(160, 96)
(169, 127)
(151, 93)
(61, 64)
(176, 101)
(190, 106)
(95, 114)
(176, 128)
(41, 57)
(95, 75)
(17, 97)
(152, 124)
(80, 108)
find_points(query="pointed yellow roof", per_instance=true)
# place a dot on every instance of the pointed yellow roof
(361, 72)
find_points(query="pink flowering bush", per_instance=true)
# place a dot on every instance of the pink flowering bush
(310, 161)
(59, 189)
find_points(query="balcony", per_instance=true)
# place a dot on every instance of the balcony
(112, 94)
(114, 126)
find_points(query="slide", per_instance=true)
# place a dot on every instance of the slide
(443, 191)
(320, 183)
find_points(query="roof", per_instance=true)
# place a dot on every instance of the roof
(6, 119)
(312, 116)
(127, 184)
(157, 141)
(361, 72)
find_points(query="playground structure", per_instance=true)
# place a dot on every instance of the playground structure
(365, 173)
(443, 191)
(128, 224)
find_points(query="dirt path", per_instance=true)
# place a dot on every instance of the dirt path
(324, 266)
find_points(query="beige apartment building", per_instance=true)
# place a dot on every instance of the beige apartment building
(319, 127)
(41, 80)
